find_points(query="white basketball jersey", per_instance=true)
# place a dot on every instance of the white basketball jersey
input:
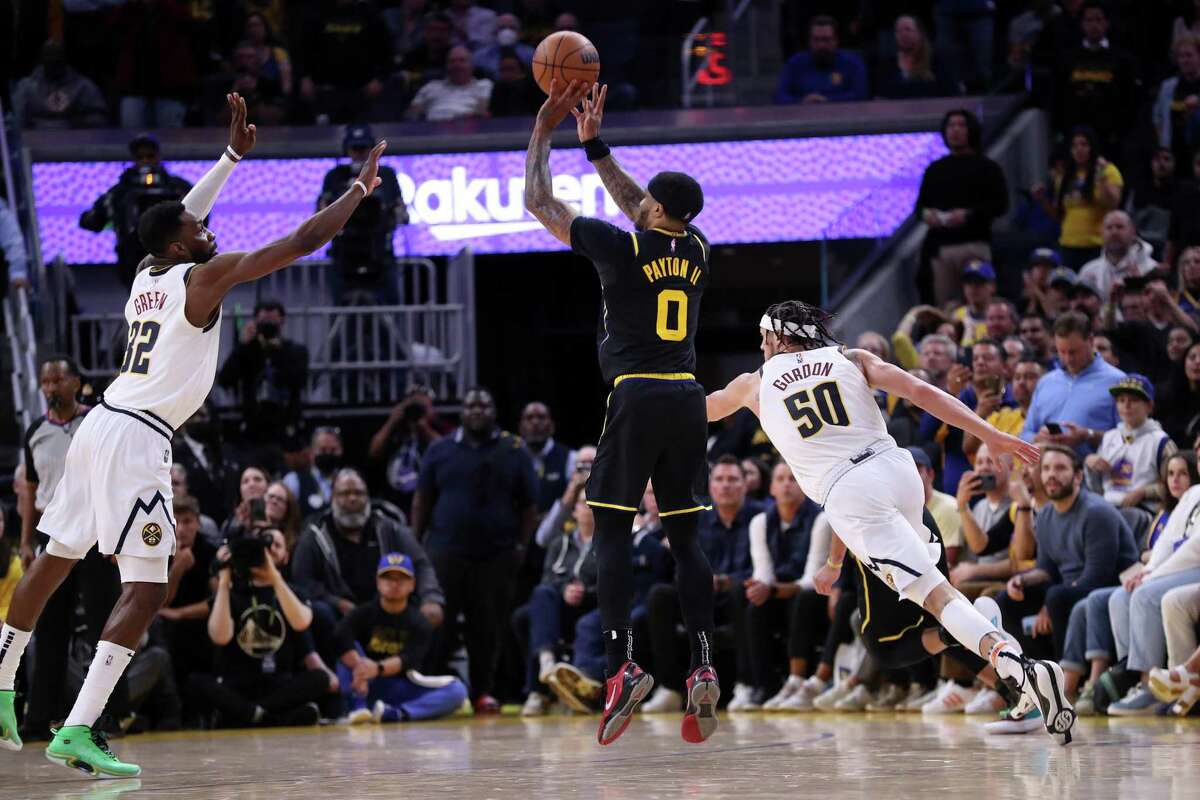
(821, 415)
(169, 364)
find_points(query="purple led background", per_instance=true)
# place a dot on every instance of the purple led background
(756, 191)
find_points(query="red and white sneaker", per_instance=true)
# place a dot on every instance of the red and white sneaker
(622, 693)
(703, 692)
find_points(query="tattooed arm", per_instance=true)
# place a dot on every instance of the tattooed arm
(624, 189)
(539, 193)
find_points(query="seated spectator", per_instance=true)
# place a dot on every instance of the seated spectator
(156, 73)
(1124, 256)
(1034, 297)
(56, 96)
(1062, 283)
(966, 27)
(1175, 109)
(779, 595)
(911, 72)
(1001, 319)
(942, 506)
(920, 322)
(757, 475)
(1083, 193)
(426, 60)
(1189, 281)
(1095, 85)
(1149, 200)
(1184, 230)
(313, 487)
(1131, 455)
(1074, 397)
(939, 354)
(1147, 310)
(563, 506)
(514, 93)
(402, 441)
(267, 671)
(961, 195)
(542, 18)
(209, 530)
(1082, 544)
(824, 73)
(207, 471)
(1035, 333)
(987, 524)
(1010, 419)
(474, 26)
(1180, 685)
(283, 512)
(274, 63)
(338, 553)
(265, 101)
(457, 96)
(270, 373)
(381, 642)
(343, 60)
(251, 508)
(1015, 352)
(1179, 339)
(13, 569)
(567, 591)
(1179, 402)
(505, 41)
(978, 290)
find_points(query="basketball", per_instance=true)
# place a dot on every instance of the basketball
(565, 55)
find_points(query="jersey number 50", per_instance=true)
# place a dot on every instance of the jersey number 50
(667, 332)
(829, 409)
(142, 336)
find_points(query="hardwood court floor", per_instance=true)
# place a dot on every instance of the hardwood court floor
(755, 757)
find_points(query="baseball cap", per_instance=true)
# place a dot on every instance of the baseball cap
(358, 135)
(143, 140)
(680, 195)
(1082, 286)
(1045, 255)
(921, 457)
(1064, 275)
(395, 562)
(1133, 383)
(978, 271)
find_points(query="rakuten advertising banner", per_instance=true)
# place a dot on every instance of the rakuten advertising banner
(755, 191)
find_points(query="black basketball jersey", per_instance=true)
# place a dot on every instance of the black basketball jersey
(651, 283)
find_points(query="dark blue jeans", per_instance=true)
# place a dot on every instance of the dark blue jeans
(542, 623)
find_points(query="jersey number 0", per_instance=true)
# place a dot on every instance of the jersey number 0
(142, 336)
(666, 331)
(813, 411)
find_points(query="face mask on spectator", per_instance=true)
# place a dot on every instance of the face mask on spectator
(352, 520)
(327, 462)
(506, 37)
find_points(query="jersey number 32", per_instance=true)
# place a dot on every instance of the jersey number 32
(813, 410)
(142, 336)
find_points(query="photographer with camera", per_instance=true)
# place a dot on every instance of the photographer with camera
(142, 185)
(402, 441)
(267, 670)
(364, 263)
(270, 373)
(987, 522)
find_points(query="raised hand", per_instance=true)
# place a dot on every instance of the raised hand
(369, 174)
(587, 120)
(562, 99)
(241, 136)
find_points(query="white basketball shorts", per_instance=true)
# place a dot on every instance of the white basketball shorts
(875, 508)
(116, 492)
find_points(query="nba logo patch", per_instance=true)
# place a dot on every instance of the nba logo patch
(151, 533)
(887, 576)
(672, 245)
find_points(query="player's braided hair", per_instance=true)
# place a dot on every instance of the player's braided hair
(791, 316)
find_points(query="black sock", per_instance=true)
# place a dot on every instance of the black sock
(694, 580)
(614, 588)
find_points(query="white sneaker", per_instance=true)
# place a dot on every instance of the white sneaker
(987, 702)
(743, 698)
(536, 705)
(1021, 718)
(887, 699)
(858, 699)
(827, 699)
(790, 688)
(663, 701)
(360, 716)
(916, 697)
(950, 699)
(803, 699)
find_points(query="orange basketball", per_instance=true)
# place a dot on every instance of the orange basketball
(567, 56)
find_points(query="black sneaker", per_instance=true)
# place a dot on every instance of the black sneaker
(1043, 686)
(306, 715)
(622, 693)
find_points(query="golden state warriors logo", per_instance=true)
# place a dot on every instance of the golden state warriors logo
(151, 533)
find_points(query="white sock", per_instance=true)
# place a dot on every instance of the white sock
(107, 665)
(12, 646)
(969, 627)
(795, 680)
(545, 662)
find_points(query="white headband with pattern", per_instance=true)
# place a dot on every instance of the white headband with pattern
(769, 323)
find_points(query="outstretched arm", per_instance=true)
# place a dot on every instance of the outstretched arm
(742, 392)
(539, 193)
(892, 379)
(624, 189)
(210, 281)
(200, 200)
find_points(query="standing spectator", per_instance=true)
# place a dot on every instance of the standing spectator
(1036, 281)
(554, 461)
(459, 95)
(1131, 455)
(274, 63)
(56, 96)
(911, 72)
(381, 643)
(1180, 403)
(313, 487)
(1175, 110)
(824, 74)
(267, 672)
(345, 56)
(514, 94)
(270, 373)
(1124, 255)
(12, 245)
(1074, 397)
(1096, 82)
(961, 195)
(475, 508)
(210, 477)
(965, 27)
(1084, 192)
(474, 26)
(401, 442)
(1082, 544)
(426, 61)
(1184, 229)
(1150, 199)
(156, 73)
(505, 41)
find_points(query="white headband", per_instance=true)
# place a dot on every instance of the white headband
(768, 323)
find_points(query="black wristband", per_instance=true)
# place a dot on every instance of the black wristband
(595, 149)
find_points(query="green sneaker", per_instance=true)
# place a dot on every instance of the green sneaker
(79, 747)
(9, 738)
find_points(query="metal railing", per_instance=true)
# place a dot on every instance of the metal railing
(306, 283)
